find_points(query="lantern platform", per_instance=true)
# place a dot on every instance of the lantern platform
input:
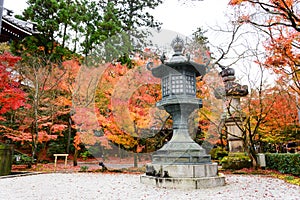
(184, 176)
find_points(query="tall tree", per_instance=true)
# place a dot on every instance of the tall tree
(133, 13)
(279, 21)
(54, 20)
(44, 13)
(68, 16)
(89, 25)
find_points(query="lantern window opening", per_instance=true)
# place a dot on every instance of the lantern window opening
(190, 84)
(177, 84)
(166, 86)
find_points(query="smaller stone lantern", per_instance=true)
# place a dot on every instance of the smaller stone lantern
(181, 163)
(233, 115)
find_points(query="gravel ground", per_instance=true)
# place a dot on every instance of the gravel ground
(127, 186)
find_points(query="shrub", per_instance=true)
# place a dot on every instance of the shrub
(85, 155)
(21, 159)
(218, 153)
(84, 168)
(236, 162)
(284, 162)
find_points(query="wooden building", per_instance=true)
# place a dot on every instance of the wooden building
(15, 29)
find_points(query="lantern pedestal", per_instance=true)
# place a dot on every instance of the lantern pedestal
(182, 163)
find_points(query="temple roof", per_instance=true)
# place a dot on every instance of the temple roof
(15, 29)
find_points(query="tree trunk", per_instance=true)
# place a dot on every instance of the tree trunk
(75, 158)
(34, 152)
(69, 135)
(135, 159)
(35, 132)
(119, 152)
(64, 35)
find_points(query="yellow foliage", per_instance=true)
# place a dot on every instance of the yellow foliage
(4, 47)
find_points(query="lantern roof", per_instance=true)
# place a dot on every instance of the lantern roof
(178, 62)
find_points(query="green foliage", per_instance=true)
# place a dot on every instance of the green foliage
(21, 159)
(236, 162)
(289, 178)
(47, 20)
(54, 22)
(94, 21)
(284, 162)
(218, 153)
(132, 14)
(110, 25)
(293, 180)
(85, 155)
(56, 147)
(84, 168)
(125, 60)
(199, 37)
(199, 137)
(89, 25)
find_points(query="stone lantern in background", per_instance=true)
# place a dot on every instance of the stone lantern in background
(181, 162)
(233, 115)
(233, 118)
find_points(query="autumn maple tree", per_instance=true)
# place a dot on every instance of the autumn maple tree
(118, 112)
(48, 88)
(125, 106)
(279, 127)
(279, 21)
(12, 97)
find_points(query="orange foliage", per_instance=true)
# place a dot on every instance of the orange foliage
(58, 128)
(235, 2)
(141, 104)
(278, 113)
(43, 136)
(77, 141)
(68, 74)
(282, 26)
(54, 101)
(123, 101)
(283, 57)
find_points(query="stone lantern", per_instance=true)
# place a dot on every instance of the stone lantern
(233, 115)
(181, 162)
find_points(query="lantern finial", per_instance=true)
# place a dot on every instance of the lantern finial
(178, 45)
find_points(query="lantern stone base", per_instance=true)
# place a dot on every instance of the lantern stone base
(183, 176)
